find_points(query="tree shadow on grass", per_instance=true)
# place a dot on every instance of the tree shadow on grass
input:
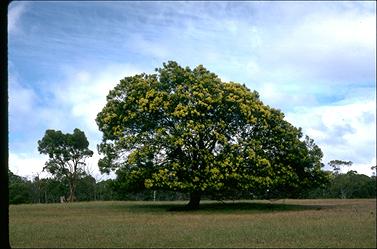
(224, 207)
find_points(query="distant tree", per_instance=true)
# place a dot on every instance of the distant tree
(105, 190)
(373, 168)
(67, 154)
(353, 185)
(19, 189)
(37, 186)
(186, 130)
(348, 185)
(337, 164)
(49, 190)
(86, 188)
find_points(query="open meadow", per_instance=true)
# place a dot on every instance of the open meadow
(282, 223)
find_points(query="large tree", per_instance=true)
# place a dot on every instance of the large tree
(67, 154)
(183, 129)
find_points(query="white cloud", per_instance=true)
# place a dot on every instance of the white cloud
(15, 11)
(346, 131)
(330, 46)
(92, 168)
(27, 164)
(31, 164)
(22, 97)
(152, 48)
(285, 95)
(74, 102)
(27, 118)
(83, 92)
(348, 28)
(361, 168)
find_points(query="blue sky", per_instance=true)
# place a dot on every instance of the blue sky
(316, 61)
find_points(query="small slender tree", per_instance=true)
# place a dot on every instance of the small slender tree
(337, 164)
(373, 168)
(67, 154)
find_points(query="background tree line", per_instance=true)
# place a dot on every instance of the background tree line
(350, 185)
(48, 190)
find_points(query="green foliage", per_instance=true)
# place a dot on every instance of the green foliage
(352, 185)
(86, 188)
(186, 130)
(49, 190)
(19, 189)
(67, 154)
(105, 191)
(346, 186)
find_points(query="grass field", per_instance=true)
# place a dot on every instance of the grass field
(283, 223)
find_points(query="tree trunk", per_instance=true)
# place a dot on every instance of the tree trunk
(194, 200)
(72, 188)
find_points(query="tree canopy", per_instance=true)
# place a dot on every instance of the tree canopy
(67, 154)
(187, 130)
